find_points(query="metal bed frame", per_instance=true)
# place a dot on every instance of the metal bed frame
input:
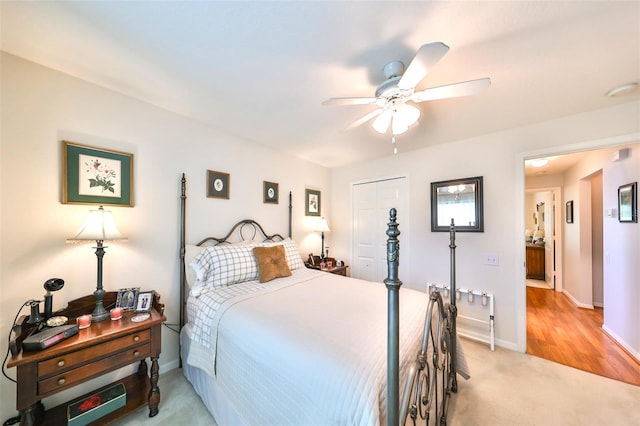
(421, 387)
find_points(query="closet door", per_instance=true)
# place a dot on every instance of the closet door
(371, 204)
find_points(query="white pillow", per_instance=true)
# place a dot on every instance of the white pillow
(291, 251)
(223, 264)
(193, 272)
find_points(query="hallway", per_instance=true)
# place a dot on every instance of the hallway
(559, 331)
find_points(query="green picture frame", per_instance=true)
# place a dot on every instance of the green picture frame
(218, 184)
(92, 175)
(270, 192)
(312, 202)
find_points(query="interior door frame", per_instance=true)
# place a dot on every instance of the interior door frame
(556, 267)
(519, 248)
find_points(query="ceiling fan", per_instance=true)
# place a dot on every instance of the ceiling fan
(394, 94)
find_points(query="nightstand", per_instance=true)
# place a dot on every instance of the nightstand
(103, 347)
(338, 270)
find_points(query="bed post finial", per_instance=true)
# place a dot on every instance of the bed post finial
(393, 323)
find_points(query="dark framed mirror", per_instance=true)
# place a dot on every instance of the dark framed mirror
(460, 200)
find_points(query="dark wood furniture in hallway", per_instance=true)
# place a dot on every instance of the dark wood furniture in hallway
(559, 331)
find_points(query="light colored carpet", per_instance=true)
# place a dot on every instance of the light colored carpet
(506, 388)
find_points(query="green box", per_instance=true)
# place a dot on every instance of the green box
(92, 407)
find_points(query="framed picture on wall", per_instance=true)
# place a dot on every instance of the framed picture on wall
(218, 184)
(270, 192)
(92, 175)
(312, 202)
(628, 203)
(569, 211)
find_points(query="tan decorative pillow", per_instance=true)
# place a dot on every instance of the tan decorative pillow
(272, 263)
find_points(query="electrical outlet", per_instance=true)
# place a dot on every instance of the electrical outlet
(491, 259)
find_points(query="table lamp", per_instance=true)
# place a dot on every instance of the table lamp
(99, 226)
(322, 227)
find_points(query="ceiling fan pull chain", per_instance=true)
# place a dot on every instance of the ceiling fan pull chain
(395, 148)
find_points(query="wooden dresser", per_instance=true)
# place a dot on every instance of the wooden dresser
(535, 262)
(101, 348)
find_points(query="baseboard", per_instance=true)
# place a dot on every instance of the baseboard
(483, 338)
(627, 348)
(577, 302)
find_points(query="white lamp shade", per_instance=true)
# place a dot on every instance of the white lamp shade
(99, 225)
(381, 124)
(400, 117)
(322, 225)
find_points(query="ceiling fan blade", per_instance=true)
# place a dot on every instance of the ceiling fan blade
(349, 101)
(428, 55)
(364, 119)
(452, 90)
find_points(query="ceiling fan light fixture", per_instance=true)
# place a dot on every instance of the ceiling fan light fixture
(539, 162)
(398, 127)
(381, 124)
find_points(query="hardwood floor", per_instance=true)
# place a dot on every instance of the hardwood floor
(559, 331)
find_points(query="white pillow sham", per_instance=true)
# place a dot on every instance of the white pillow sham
(224, 265)
(227, 264)
(291, 251)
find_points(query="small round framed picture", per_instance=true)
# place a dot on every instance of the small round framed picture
(144, 302)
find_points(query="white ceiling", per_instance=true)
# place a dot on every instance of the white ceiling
(260, 70)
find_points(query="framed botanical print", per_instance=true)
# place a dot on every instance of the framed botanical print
(92, 175)
(312, 202)
(218, 184)
(270, 192)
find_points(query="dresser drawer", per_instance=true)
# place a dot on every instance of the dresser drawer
(93, 369)
(71, 360)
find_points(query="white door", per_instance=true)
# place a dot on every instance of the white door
(371, 204)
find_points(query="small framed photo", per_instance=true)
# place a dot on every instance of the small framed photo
(312, 203)
(628, 203)
(144, 302)
(270, 191)
(218, 184)
(92, 175)
(126, 298)
(569, 211)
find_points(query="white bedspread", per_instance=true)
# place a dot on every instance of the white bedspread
(310, 349)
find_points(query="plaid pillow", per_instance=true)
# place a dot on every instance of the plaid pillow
(227, 264)
(291, 251)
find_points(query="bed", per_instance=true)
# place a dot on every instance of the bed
(266, 341)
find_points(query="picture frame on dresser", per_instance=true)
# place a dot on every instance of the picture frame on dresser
(144, 301)
(93, 175)
(127, 298)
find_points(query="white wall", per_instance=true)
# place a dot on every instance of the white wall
(499, 158)
(621, 245)
(41, 107)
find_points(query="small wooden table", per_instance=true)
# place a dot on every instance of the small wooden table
(101, 348)
(338, 270)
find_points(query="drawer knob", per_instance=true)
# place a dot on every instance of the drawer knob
(61, 363)
(136, 353)
(136, 338)
(62, 381)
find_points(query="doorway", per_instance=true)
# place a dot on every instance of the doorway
(543, 234)
(550, 312)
